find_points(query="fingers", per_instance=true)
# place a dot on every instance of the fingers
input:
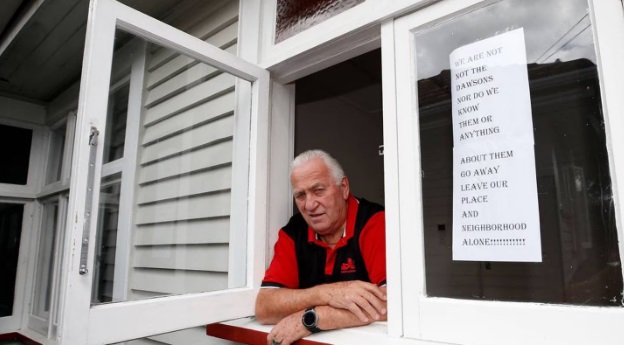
(373, 306)
(288, 330)
(364, 300)
(372, 299)
(357, 311)
(376, 297)
(377, 304)
(271, 337)
(380, 292)
(368, 305)
(278, 339)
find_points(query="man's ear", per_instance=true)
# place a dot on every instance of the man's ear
(344, 187)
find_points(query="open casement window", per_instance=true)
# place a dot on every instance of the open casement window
(52, 201)
(572, 294)
(166, 217)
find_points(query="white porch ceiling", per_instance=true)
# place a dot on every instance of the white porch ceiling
(44, 49)
(9, 8)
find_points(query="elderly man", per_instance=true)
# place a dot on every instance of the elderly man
(329, 267)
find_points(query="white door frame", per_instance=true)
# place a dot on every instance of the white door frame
(82, 324)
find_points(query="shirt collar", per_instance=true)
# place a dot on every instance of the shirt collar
(344, 233)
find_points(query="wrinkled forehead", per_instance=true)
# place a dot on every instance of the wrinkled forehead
(310, 174)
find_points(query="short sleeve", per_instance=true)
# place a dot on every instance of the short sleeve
(373, 247)
(282, 271)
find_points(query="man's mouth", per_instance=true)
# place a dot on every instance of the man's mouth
(315, 216)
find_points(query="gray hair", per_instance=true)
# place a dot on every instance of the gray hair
(332, 164)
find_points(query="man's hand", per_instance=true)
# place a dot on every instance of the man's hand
(287, 331)
(361, 298)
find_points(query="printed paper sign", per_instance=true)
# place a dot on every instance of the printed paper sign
(495, 206)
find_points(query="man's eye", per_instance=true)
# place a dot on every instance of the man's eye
(300, 196)
(319, 191)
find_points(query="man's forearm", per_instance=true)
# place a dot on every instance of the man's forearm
(335, 318)
(272, 305)
(363, 299)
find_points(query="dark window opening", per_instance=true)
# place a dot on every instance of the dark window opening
(10, 235)
(16, 159)
(339, 110)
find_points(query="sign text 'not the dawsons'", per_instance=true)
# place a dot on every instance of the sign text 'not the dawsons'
(495, 209)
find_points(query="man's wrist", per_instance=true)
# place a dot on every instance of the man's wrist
(310, 320)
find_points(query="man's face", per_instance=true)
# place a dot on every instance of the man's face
(322, 203)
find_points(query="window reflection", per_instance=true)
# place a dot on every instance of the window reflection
(116, 124)
(108, 220)
(55, 156)
(45, 261)
(581, 263)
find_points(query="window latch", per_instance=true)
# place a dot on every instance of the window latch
(86, 228)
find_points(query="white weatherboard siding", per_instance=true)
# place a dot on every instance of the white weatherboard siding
(184, 175)
(184, 178)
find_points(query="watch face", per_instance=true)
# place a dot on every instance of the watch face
(309, 318)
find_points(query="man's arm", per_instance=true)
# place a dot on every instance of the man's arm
(365, 301)
(291, 329)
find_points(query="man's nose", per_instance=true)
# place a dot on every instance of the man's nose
(311, 203)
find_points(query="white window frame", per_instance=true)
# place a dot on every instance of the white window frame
(47, 326)
(344, 36)
(82, 324)
(130, 59)
(131, 143)
(62, 184)
(486, 322)
(339, 38)
(36, 158)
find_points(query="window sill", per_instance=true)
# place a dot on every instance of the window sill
(249, 331)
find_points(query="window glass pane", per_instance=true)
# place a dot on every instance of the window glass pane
(55, 158)
(294, 16)
(173, 236)
(579, 247)
(107, 239)
(15, 161)
(116, 123)
(45, 259)
(10, 235)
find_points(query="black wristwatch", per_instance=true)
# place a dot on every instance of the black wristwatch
(310, 320)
